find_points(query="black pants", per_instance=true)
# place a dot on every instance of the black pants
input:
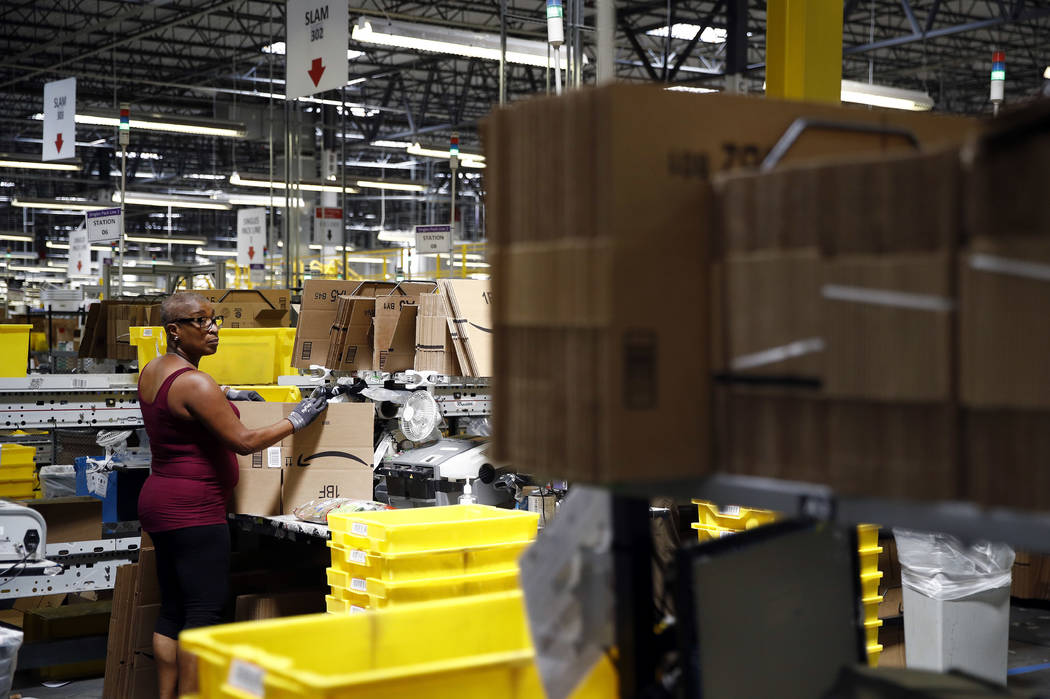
(193, 569)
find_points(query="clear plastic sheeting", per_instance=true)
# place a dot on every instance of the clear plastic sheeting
(942, 567)
(58, 481)
(10, 642)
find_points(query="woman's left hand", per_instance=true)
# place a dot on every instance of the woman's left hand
(234, 394)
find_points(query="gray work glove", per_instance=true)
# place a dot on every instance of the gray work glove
(308, 409)
(234, 394)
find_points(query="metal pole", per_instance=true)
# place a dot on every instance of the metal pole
(287, 198)
(502, 52)
(342, 168)
(606, 26)
(123, 207)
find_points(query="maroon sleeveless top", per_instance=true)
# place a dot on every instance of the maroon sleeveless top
(193, 473)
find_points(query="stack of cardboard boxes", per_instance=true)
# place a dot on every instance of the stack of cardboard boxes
(601, 222)
(330, 458)
(250, 308)
(383, 326)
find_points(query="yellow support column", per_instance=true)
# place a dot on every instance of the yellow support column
(804, 50)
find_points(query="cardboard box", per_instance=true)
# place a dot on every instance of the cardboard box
(1005, 455)
(281, 604)
(250, 308)
(434, 351)
(583, 347)
(1004, 300)
(70, 518)
(887, 323)
(317, 315)
(258, 490)
(353, 335)
(470, 303)
(302, 485)
(892, 604)
(895, 450)
(394, 326)
(343, 426)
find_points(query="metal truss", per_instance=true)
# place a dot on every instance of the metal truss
(205, 58)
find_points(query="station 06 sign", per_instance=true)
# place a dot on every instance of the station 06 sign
(104, 225)
(437, 238)
(315, 52)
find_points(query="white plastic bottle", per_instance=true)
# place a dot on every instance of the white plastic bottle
(467, 498)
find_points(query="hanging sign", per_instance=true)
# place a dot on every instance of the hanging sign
(251, 242)
(104, 225)
(79, 252)
(436, 238)
(315, 54)
(60, 109)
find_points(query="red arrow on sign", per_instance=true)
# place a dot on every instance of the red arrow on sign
(251, 252)
(80, 265)
(58, 142)
(316, 71)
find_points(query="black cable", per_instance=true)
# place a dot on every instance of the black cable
(22, 562)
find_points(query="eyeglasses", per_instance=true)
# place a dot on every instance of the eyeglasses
(203, 322)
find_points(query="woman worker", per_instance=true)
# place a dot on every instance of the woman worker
(194, 432)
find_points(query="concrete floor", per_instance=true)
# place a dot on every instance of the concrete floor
(1028, 663)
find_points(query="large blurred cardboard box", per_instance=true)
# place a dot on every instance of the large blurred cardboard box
(250, 308)
(593, 362)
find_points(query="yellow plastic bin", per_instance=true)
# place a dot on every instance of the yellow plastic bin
(733, 518)
(468, 648)
(14, 350)
(275, 394)
(20, 489)
(429, 528)
(245, 355)
(426, 589)
(17, 462)
(427, 564)
(874, 651)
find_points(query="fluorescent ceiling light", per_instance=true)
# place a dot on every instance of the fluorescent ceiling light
(686, 32)
(465, 159)
(459, 42)
(148, 263)
(400, 145)
(164, 240)
(363, 259)
(159, 122)
(16, 237)
(260, 200)
(306, 186)
(277, 48)
(19, 162)
(202, 176)
(216, 253)
(65, 246)
(59, 204)
(397, 236)
(1046, 73)
(389, 184)
(176, 202)
(690, 88)
(884, 96)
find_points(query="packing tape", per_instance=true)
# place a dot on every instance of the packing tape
(777, 354)
(885, 297)
(1016, 268)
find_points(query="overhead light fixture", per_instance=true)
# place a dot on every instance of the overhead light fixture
(885, 96)
(33, 268)
(160, 122)
(400, 145)
(277, 48)
(690, 88)
(277, 201)
(175, 202)
(59, 204)
(465, 159)
(1046, 73)
(686, 32)
(161, 240)
(148, 263)
(391, 184)
(14, 161)
(65, 246)
(18, 237)
(216, 253)
(458, 42)
(397, 236)
(306, 186)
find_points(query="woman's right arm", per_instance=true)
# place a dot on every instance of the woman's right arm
(204, 401)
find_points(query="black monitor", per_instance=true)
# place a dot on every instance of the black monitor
(770, 612)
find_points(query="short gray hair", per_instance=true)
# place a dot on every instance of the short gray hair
(176, 305)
